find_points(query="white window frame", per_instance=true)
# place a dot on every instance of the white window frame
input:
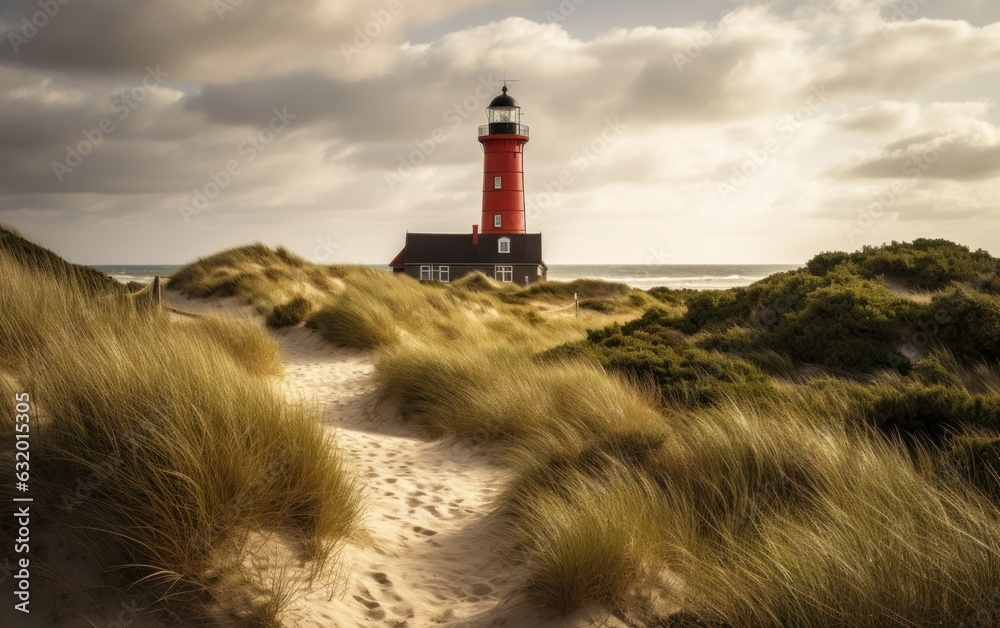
(426, 273)
(496, 183)
(503, 274)
(444, 274)
(497, 221)
(503, 245)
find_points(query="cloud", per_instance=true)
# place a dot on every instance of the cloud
(912, 56)
(693, 99)
(944, 141)
(216, 40)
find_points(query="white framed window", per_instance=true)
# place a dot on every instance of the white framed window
(504, 273)
(497, 221)
(443, 273)
(503, 245)
(496, 183)
(425, 273)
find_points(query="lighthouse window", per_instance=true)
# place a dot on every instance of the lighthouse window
(496, 183)
(504, 273)
(504, 244)
(496, 221)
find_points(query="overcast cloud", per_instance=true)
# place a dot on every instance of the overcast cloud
(695, 132)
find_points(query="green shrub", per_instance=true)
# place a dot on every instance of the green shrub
(823, 263)
(967, 322)
(683, 374)
(933, 410)
(597, 305)
(854, 326)
(928, 264)
(672, 296)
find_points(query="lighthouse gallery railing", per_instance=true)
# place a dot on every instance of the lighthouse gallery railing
(503, 128)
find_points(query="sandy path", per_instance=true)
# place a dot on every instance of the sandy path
(428, 506)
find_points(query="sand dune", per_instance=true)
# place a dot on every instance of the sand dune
(429, 559)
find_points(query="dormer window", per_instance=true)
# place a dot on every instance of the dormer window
(504, 245)
(496, 221)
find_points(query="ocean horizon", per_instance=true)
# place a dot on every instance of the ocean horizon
(642, 276)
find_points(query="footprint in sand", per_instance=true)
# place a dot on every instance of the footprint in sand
(413, 502)
(391, 480)
(381, 578)
(369, 604)
(424, 531)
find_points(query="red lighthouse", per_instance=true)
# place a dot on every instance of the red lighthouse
(503, 250)
(503, 141)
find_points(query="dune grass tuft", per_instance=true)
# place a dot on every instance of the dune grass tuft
(705, 479)
(263, 276)
(168, 452)
(291, 312)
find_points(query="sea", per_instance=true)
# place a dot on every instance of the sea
(643, 276)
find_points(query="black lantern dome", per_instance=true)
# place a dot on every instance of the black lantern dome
(503, 100)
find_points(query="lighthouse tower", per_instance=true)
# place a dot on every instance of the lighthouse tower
(503, 141)
(503, 250)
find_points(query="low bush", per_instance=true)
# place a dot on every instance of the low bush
(967, 323)
(854, 326)
(928, 264)
(597, 305)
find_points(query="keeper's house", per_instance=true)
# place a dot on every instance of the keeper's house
(508, 257)
(503, 250)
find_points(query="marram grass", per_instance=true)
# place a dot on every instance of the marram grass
(186, 453)
(746, 512)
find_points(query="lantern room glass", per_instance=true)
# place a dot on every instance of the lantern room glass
(504, 114)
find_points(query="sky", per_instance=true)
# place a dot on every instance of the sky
(695, 131)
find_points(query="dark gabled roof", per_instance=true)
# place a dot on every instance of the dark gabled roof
(398, 260)
(457, 248)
